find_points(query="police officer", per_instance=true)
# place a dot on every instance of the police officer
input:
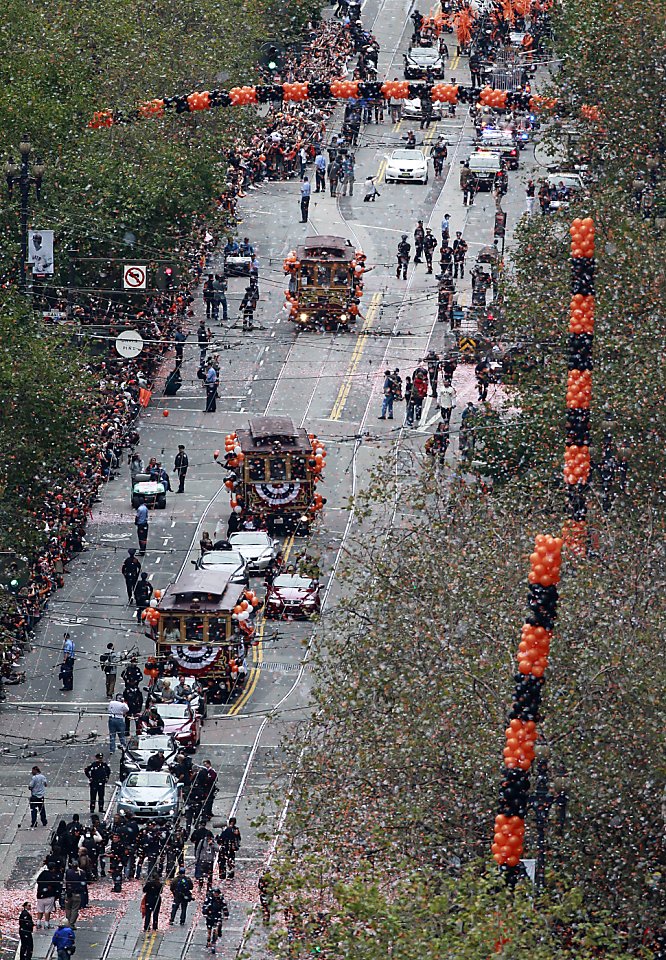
(98, 773)
(130, 570)
(419, 237)
(180, 467)
(429, 247)
(404, 256)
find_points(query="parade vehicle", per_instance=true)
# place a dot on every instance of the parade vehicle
(411, 110)
(256, 547)
(324, 290)
(204, 619)
(291, 596)
(237, 266)
(485, 166)
(140, 749)
(151, 492)
(154, 795)
(406, 165)
(275, 467)
(502, 142)
(419, 61)
(182, 722)
(227, 561)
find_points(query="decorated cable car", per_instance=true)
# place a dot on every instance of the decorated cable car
(325, 283)
(204, 620)
(274, 469)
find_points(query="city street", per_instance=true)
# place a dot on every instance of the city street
(330, 383)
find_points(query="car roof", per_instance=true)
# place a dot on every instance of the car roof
(221, 558)
(248, 536)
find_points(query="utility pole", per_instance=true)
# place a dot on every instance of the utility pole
(21, 176)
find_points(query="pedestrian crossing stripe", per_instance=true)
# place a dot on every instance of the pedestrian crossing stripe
(467, 344)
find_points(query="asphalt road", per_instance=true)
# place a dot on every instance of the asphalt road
(330, 382)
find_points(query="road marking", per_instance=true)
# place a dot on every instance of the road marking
(454, 61)
(258, 651)
(346, 386)
(381, 171)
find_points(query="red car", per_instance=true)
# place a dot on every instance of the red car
(290, 596)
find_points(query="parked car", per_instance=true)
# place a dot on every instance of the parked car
(182, 722)
(256, 547)
(405, 165)
(418, 60)
(153, 795)
(139, 750)
(292, 596)
(229, 563)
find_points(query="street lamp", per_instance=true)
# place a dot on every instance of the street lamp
(22, 177)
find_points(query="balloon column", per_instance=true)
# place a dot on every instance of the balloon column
(579, 384)
(521, 732)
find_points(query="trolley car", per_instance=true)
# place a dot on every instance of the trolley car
(275, 467)
(325, 284)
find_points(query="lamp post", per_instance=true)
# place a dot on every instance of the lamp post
(22, 177)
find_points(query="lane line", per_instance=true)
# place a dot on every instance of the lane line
(347, 383)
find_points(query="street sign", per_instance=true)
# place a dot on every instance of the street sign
(54, 315)
(134, 277)
(129, 344)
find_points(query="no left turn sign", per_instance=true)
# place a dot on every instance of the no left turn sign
(134, 277)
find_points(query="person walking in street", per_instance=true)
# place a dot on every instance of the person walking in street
(306, 192)
(141, 523)
(205, 856)
(75, 887)
(37, 786)
(530, 198)
(389, 396)
(459, 253)
(429, 247)
(215, 910)
(203, 338)
(419, 237)
(49, 886)
(66, 675)
(142, 594)
(334, 171)
(26, 925)
(179, 339)
(446, 228)
(109, 665)
(64, 940)
(419, 391)
(348, 175)
(180, 467)
(207, 294)
(211, 390)
(446, 399)
(182, 890)
(247, 307)
(98, 773)
(131, 570)
(320, 173)
(439, 154)
(220, 298)
(467, 184)
(117, 710)
(482, 374)
(404, 256)
(152, 902)
(433, 364)
(229, 841)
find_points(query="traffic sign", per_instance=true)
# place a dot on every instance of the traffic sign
(129, 344)
(134, 277)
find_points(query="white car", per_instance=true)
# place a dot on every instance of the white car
(256, 547)
(139, 750)
(411, 110)
(227, 562)
(406, 165)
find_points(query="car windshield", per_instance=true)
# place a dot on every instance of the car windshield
(287, 580)
(151, 744)
(149, 780)
(425, 54)
(222, 558)
(248, 539)
(413, 155)
(173, 711)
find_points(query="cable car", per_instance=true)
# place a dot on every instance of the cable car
(324, 283)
